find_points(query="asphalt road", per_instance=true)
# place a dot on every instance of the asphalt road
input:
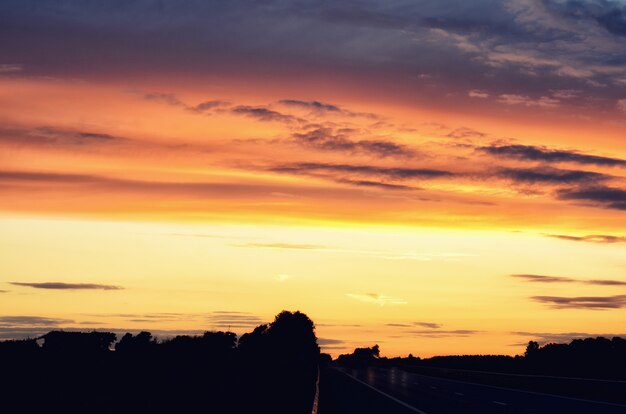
(393, 391)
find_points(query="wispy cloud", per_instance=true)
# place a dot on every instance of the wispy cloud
(289, 246)
(439, 333)
(311, 105)
(542, 102)
(431, 325)
(548, 175)
(583, 302)
(535, 153)
(476, 93)
(562, 279)
(10, 68)
(67, 286)
(398, 173)
(264, 114)
(592, 238)
(6, 321)
(346, 140)
(233, 320)
(376, 298)
(57, 137)
(322, 108)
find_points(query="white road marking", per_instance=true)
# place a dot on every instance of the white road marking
(543, 394)
(459, 393)
(498, 402)
(402, 403)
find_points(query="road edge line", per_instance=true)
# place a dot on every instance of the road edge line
(391, 397)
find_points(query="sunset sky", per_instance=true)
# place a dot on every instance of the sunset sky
(432, 176)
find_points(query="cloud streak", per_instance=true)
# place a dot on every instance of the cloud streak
(229, 319)
(583, 302)
(563, 279)
(67, 286)
(549, 175)
(439, 333)
(592, 238)
(366, 170)
(376, 298)
(600, 196)
(534, 153)
(342, 140)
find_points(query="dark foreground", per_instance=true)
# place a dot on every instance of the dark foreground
(270, 370)
(394, 391)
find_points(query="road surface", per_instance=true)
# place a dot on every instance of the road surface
(393, 391)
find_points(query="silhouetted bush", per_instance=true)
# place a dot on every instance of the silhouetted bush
(360, 357)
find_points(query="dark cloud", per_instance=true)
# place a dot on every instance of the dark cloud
(583, 302)
(67, 286)
(228, 320)
(373, 184)
(361, 175)
(562, 279)
(311, 105)
(41, 181)
(428, 325)
(366, 170)
(45, 177)
(263, 114)
(166, 98)
(592, 238)
(321, 108)
(173, 100)
(611, 15)
(203, 107)
(376, 146)
(465, 132)
(606, 282)
(51, 136)
(329, 139)
(8, 321)
(439, 333)
(534, 153)
(488, 45)
(545, 279)
(325, 342)
(551, 175)
(606, 197)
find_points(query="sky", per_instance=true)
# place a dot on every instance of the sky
(436, 177)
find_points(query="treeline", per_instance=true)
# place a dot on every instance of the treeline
(599, 357)
(271, 369)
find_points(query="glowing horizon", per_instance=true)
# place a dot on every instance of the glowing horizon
(423, 178)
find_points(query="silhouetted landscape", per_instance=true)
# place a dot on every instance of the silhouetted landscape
(274, 369)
